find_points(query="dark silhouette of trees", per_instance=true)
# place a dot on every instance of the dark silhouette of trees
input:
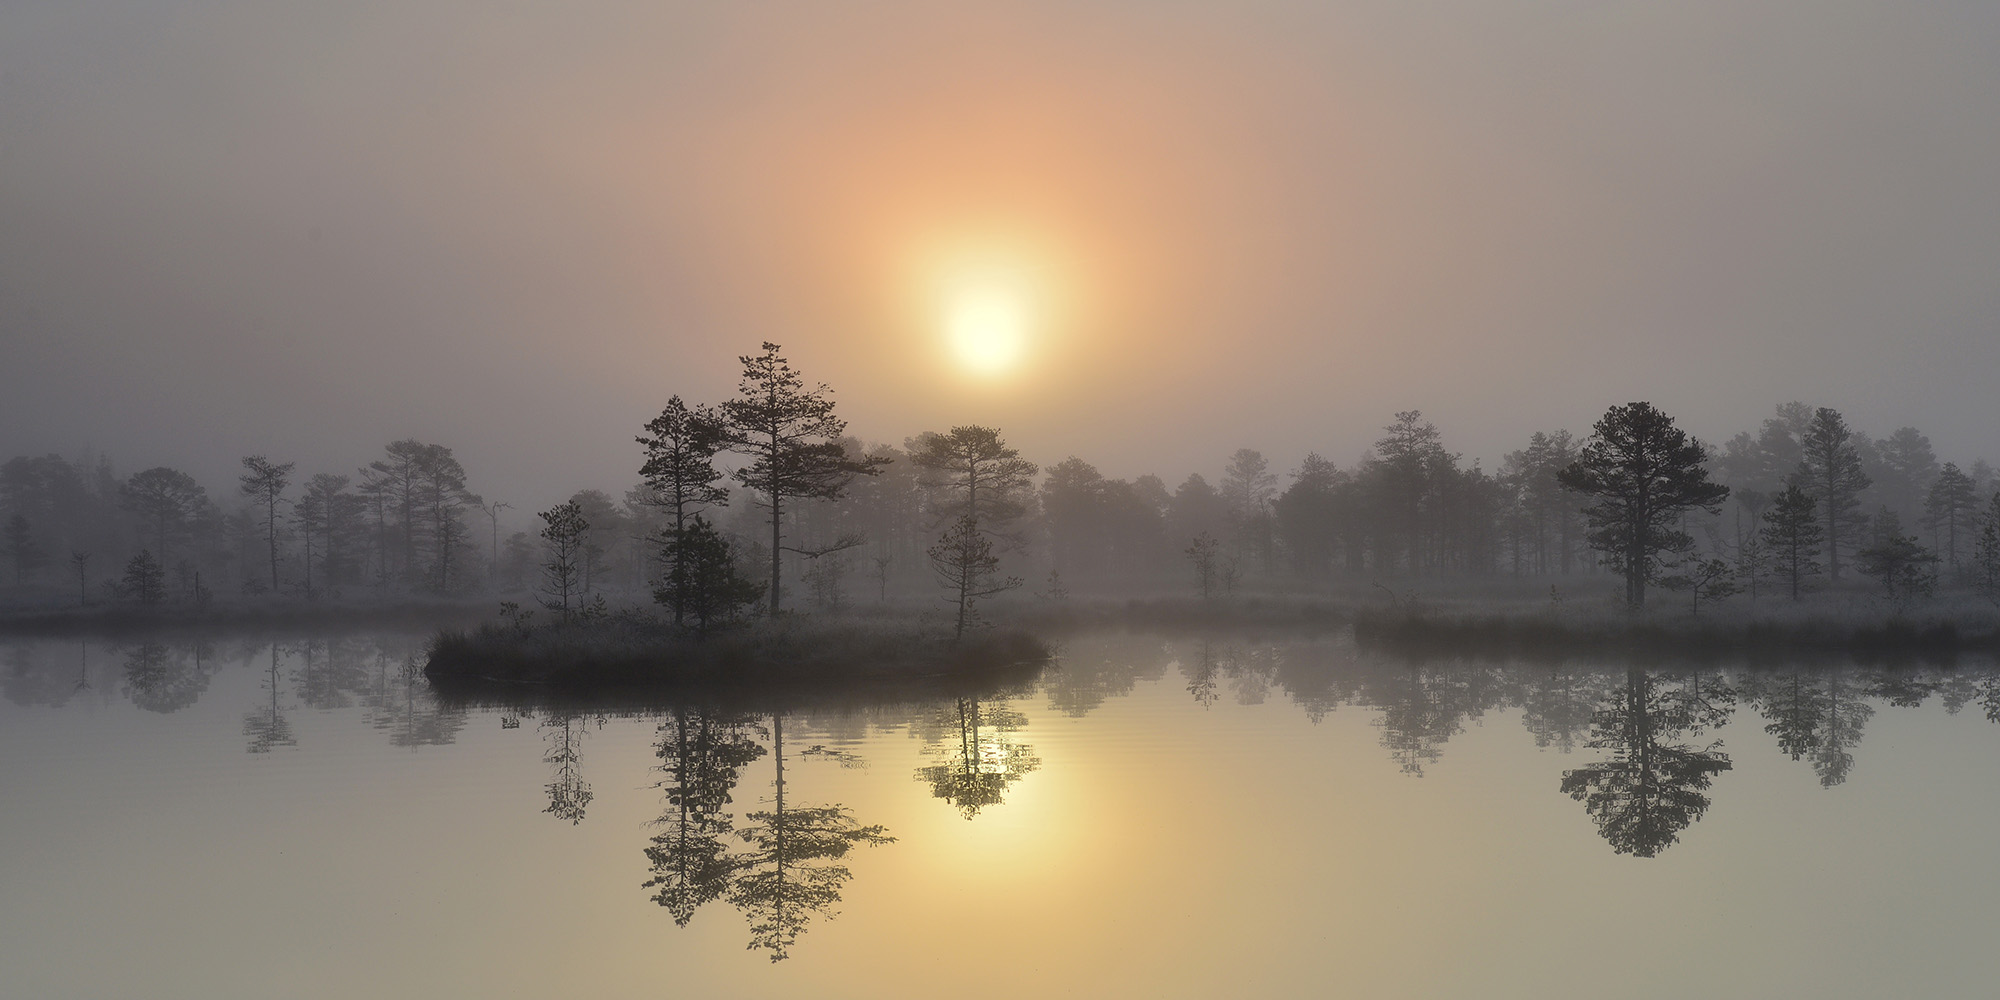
(792, 439)
(1830, 469)
(563, 528)
(968, 571)
(1248, 490)
(970, 472)
(1652, 784)
(1792, 535)
(1644, 474)
(681, 479)
(1309, 514)
(420, 489)
(264, 482)
(707, 586)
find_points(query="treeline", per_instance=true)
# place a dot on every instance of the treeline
(157, 536)
(1809, 502)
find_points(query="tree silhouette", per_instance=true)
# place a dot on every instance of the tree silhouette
(563, 527)
(1651, 786)
(1645, 475)
(165, 500)
(1830, 468)
(1792, 533)
(267, 726)
(792, 439)
(680, 478)
(265, 482)
(969, 572)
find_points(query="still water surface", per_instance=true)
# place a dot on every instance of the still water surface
(1155, 818)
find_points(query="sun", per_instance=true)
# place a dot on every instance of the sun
(987, 327)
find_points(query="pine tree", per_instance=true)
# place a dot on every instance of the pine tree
(145, 579)
(265, 483)
(1898, 560)
(681, 478)
(709, 589)
(1986, 554)
(1831, 470)
(1793, 534)
(1950, 510)
(1645, 475)
(965, 564)
(563, 527)
(792, 439)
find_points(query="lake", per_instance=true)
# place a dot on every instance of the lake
(1155, 817)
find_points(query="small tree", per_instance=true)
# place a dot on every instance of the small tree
(1951, 509)
(681, 444)
(264, 483)
(1203, 556)
(969, 571)
(1645, 474)
(562, 531)
(145, 579)
(1898, 560)
(1831, 469)
(81, 560)
(710, 590)
(1792, 533)
(1712, 578)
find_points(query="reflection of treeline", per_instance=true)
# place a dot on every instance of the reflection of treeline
(1651, 731)
(377, 676)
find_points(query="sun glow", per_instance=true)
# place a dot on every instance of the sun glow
(987, 327)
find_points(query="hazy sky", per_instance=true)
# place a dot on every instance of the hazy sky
(515, 229)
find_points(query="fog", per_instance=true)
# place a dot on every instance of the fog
(231, 229)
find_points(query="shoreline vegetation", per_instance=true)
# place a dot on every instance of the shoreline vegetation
(640, 657)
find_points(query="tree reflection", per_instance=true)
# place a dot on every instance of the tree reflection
(701, 753)
(975, 769)
(1815, 716)
(402, 704)
(266, 726)
(787, 874)
(159, 678)
(1651, 788)
(569, 794)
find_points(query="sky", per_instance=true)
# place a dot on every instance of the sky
(305, 230)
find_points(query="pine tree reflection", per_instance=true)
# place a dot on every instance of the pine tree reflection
(702, 753)
(569, 794)
(267, 726)
(1651, 788)
(1815, 715)
(975, 769)
(787, 875)
(159, 678)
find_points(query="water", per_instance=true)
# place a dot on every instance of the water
(1158, 817)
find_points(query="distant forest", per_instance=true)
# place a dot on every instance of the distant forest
(409, 523)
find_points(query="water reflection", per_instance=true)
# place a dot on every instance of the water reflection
(266, 726)
(1650, 786)
(569, 794)
(979, 757)
(703, 754)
